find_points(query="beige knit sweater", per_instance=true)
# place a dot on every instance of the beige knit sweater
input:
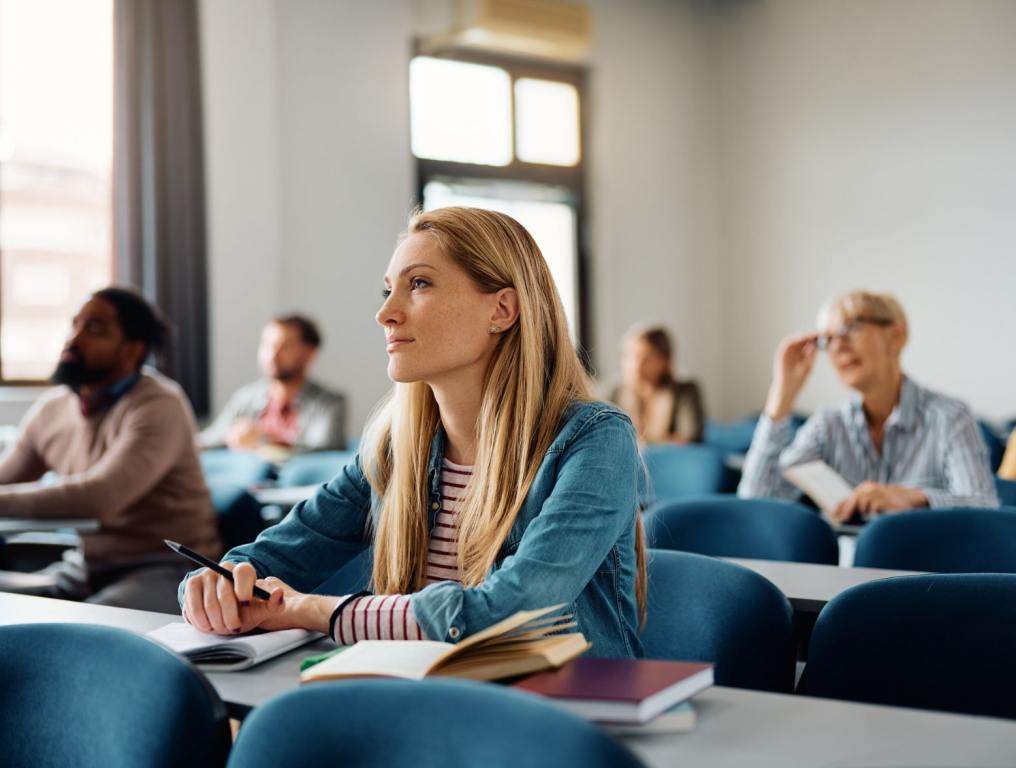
(134, 468)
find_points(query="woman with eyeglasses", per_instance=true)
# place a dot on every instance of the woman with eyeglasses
(899, 445)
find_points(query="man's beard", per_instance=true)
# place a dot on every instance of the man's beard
(287, 375)
(74, 373)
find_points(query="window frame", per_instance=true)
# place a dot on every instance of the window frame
(572, 179)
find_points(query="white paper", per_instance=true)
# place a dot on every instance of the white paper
(389, 658)
(234, 652)
(821, 482)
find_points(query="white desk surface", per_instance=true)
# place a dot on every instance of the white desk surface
(809, 586)
(285, 497)
(25, 524)
(735, 727)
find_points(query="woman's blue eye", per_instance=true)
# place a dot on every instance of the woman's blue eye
(419, 282)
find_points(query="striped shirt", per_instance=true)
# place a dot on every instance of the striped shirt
(390, 617)
(931, 442)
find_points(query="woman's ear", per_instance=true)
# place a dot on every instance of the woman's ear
(506, 310)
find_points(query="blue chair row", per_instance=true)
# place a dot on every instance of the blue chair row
(249, 469)
(726, 526)
(74, 694)
(680, 471)
(941, 540)
(936, 641)
(1006, 491)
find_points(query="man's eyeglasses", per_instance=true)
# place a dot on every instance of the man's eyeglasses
(849, 330)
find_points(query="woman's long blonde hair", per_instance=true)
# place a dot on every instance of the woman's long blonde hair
(534, 374)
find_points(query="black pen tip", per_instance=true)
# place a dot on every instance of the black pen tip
(171, 544)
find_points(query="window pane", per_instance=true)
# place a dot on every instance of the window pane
(460, 111)
(56, 146)
(541, 210)
(546, 122)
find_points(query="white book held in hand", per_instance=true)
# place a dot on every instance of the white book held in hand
(216, 653)
(823, 484)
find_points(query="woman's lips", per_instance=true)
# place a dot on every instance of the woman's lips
(394, 344)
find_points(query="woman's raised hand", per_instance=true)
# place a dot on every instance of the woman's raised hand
(792, 365)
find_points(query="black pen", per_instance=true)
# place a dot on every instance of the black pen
(190, 554)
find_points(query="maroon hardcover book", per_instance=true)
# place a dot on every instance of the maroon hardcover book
(620, 690)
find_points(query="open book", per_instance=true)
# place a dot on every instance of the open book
(522, 643)
(822, 483)
(227, 654)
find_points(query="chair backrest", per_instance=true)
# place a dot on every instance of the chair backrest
(313, 468)
(935, 641)
(704, 609)
(240, 467)
(730, 436)
(1006, 491)
(726, 526)
(941, 540)
(74, 694)
(238, 512)
(442, 723)
(680, 471)
(993, 441)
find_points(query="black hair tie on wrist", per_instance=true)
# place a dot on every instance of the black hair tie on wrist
(338, 610)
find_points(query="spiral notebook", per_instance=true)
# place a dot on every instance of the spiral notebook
(216, 653)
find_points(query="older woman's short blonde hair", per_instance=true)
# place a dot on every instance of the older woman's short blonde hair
(863, 305)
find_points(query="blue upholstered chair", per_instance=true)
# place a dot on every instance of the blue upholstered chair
(703, 609)
(74, 694)
(996, 447)
(238, 512)
(443, 723)
(240, 467)
(680, 471)
(730, 436)
(313, 468)
(1006, 491)
(934, 641)
(941, 540)
(726, 526)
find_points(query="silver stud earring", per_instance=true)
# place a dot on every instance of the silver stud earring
(494, 329)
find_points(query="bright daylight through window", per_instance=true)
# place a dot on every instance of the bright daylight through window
(56, 147)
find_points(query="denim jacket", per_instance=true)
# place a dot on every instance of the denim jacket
(573, 541)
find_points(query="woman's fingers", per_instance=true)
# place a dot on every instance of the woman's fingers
(244, 577)
(193, 602)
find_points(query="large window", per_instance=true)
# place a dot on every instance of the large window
(56, 146)
(508, 136)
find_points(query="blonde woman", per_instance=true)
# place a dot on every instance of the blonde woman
(663, 409)
(489, 481)
(898, 444)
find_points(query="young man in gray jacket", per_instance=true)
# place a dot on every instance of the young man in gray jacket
(285, 412)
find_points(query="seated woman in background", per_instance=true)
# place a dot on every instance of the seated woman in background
(488, 483)
(899, 445)
(663, 409)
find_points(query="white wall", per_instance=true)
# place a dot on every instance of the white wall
(653, 183)
(240, 94)
(870, 144)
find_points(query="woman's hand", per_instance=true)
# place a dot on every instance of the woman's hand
(792, 365)
(871, 498)
(214, 604)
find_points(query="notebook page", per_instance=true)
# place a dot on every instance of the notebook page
(386, 658)
(186, 640)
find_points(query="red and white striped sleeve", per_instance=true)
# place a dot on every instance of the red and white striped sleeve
(377, 617)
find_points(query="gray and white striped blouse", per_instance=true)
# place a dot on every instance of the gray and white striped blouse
(931, 442)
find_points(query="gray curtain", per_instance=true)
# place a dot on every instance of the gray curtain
(159, 203)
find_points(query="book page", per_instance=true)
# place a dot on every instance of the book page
(821, 482)
(410, 659)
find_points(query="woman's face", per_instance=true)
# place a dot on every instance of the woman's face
(642, 364)
(436, 319)
(862, 352)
